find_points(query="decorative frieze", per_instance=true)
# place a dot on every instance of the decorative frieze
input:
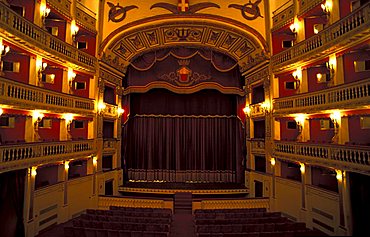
(84, 19)
(236, 204)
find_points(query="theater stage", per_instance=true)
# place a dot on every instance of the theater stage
(198, 190)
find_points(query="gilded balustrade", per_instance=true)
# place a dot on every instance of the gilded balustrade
(356, 157)
(42, 152)
(348, 31)
(34, 36)
(339, 97)
(27, 96)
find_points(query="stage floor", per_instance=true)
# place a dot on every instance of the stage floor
(194, 188)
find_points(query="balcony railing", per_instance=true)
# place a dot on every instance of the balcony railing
(53, 47)
(256, 110)
(27, 96)
(257, 145)
(339, 97)
(336, 155)
(42, 152)
(348, 31)
(283, 18)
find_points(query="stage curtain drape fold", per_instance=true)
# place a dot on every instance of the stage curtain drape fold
(181, 143)
(11, 203)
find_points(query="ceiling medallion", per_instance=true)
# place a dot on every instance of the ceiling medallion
(183, 7)
(250, 8)
(117, 13)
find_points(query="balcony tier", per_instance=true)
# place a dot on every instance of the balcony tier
(30, 36)
(24, 96)
(257, 145)
(346, 96)
(20, 156)
(356, 158)
(349, 31)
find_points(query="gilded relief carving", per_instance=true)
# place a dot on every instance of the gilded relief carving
(250, 11)
(118, 13)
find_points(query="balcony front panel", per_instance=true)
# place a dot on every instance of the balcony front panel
(344, 157)
(306, 5)
(25, 96)
(110, 110)
(27, 34)
(256, 110)
(110, 145)
(84, 19)
(350, 30)
(283, 18)
(32, 154)
(63, 7)
(257, 146)
(346, 96)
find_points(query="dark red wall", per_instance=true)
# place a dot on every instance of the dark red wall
(287, 134)
(58, 81)
(50, 134)
(279, 36)
(16, 134)
(79, 133)
(357, 135)
(313, 85)
(282, 79)
(29, 7)
(318, 135)
(82, 78)
(310, 22)
(90, 38)
(61, 27)
(349, 69)
(15, 56)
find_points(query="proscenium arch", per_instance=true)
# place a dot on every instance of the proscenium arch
(233, 38)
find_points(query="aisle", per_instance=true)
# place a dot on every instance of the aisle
(182, 225)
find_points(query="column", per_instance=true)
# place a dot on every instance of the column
(345, 212)
(29, 191)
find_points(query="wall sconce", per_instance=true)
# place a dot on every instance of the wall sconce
(74, 30)
(273, 161)
(66, 165)
(327, 6)
(71, 77)
(33, 171)
(68, 118)
(297, 74)
(101, 107)
(37, 116)
(1, 111)
(95, 161)
(247, 110)
(44, 12)
(339, 175)
(299, 119)
(265, 106)
(41, 66)
(336, 118)
(302, 168)
(3, 51)
(120, 111)
(294, 26)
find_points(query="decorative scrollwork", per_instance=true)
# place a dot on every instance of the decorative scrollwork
(249, 8)
(118, 13)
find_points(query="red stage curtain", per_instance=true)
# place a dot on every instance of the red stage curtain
(172, 132)
(11, 203)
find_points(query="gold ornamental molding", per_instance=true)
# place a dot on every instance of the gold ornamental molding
(232, 38)
(236, 204)
(106, 202)
(193, 191)
(183, 90)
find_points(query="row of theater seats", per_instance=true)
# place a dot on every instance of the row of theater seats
(249, 223)
(121, 222)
